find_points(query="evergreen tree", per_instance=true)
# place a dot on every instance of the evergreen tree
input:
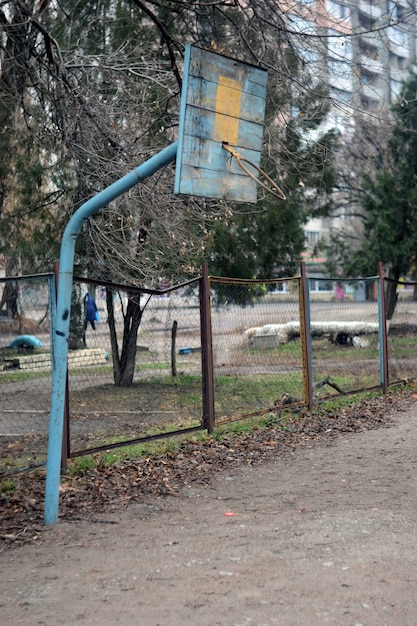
(389, 202)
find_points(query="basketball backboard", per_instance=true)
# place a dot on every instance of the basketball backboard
(223, 101)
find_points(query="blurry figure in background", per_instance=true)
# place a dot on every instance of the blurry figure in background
(91, 314)
(340, 292)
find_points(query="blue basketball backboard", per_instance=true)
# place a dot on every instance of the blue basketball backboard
(223, 101)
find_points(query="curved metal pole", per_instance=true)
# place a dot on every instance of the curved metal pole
(63, 310)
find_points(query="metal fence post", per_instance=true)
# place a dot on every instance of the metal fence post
(305, 337)
(383, 341)
(206, 351)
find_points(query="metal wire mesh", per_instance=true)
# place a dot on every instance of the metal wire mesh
(253, 370)
(25, 371)
(166, 391)
(344, 331)
(256, 346)
(402, 335)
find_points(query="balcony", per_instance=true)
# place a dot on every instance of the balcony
(342, 83)
(373, 92)
(400, 50)
(398, 42)
(370, 10)
(399, 75)
(373, 66)
(371, 38)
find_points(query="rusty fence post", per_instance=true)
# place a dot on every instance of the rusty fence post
(305, 336)
(206, 351)
(383, 340)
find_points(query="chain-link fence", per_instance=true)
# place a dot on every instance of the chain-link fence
(344, 330)
(254, 369)
(165, 392)
(270, 347)
(25, 370)
(402, 333)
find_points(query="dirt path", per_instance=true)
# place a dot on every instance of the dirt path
(325, 536)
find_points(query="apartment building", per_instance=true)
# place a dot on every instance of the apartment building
(363, 49)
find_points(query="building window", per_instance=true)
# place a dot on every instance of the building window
(340, 11)
(396, 11)
(312, 238)
(369, 51)
(397, 36)
(396, 87)
(339, 45)
(368, 104)
(339, 69)
(321, 284)
(338, 95)
(282, 287)
(365, 77)
(397, 62)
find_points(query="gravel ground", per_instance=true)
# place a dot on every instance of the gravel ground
(309, 525)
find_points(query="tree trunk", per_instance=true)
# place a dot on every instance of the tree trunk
(76, 327)
(10, 298)
(391, 296)
(124, 362)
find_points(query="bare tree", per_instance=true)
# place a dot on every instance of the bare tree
(94, 88)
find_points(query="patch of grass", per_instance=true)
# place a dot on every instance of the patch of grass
(8, 486)
(80, 465)
(339, 402)
(401, 347)
(347, 381)
(284, 420)
(161, 447)
(256, 389)
(11, 376)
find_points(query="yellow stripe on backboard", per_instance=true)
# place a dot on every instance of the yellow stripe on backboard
(226, 123)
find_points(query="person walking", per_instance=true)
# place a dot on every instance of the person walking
(91, 314)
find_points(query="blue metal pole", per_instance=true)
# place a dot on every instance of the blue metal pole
(60, 341)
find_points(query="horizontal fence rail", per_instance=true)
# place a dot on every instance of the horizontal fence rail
(210, 351)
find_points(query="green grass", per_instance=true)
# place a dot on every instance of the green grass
(291, 350)
(402, 347)
(82, 464)
(8, 486)
(251, 390)
(11, 376)
(235, 395)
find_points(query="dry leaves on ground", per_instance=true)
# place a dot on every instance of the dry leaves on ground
(194, 461)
